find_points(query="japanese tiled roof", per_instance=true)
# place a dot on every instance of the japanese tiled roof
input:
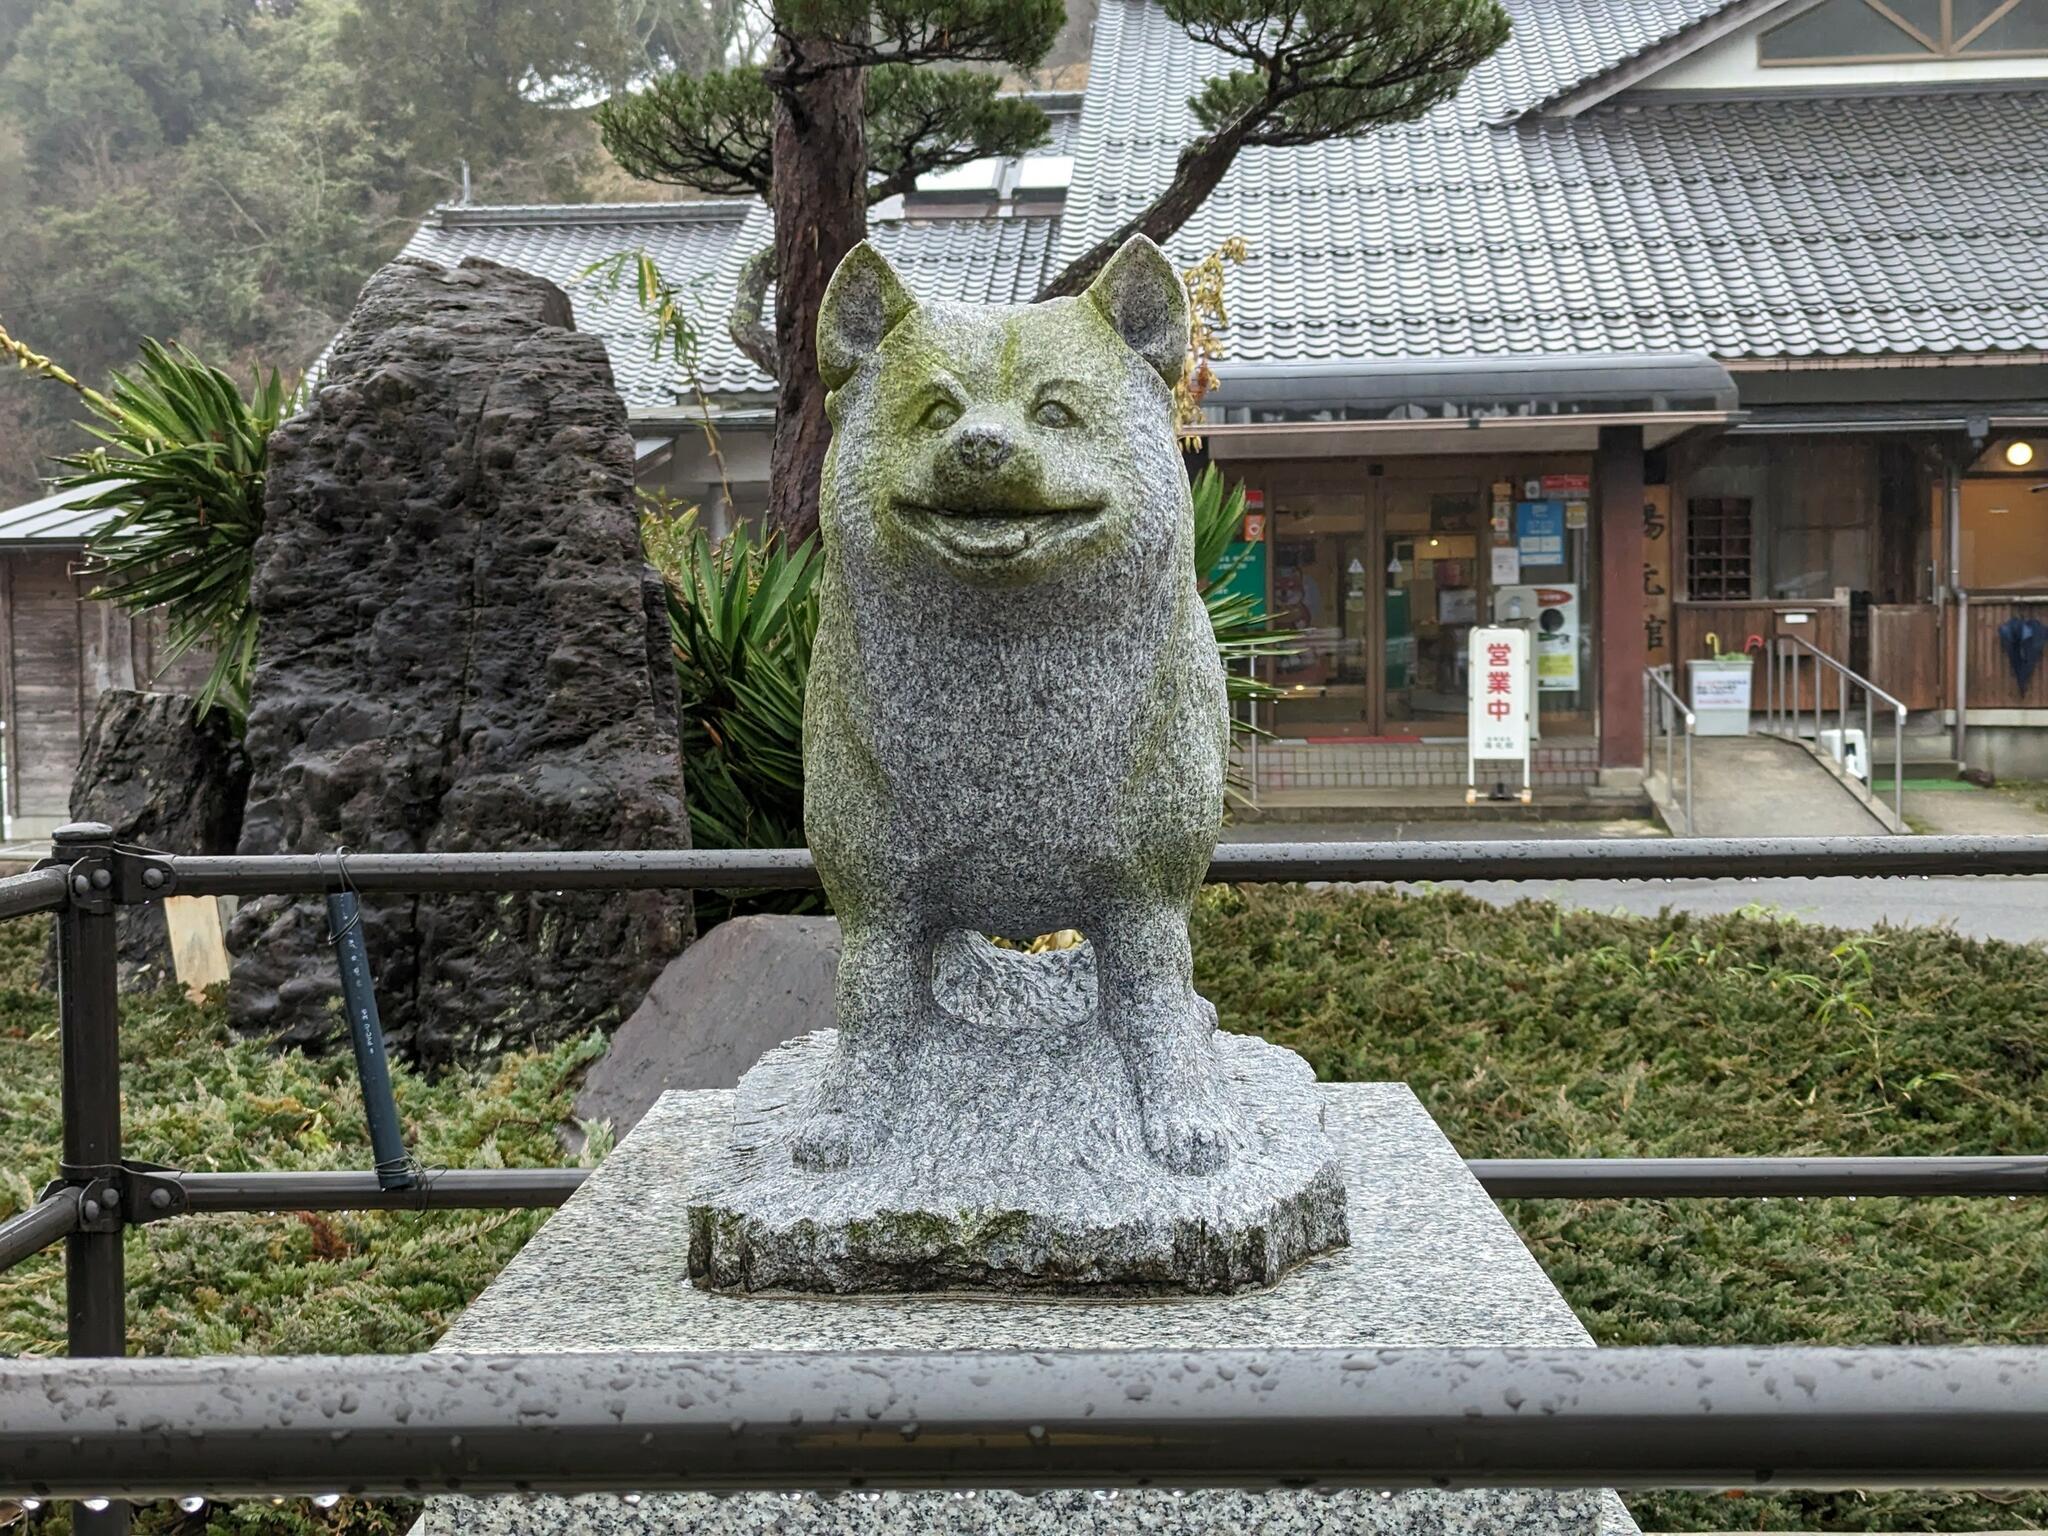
(700, 248)
(1787, 227)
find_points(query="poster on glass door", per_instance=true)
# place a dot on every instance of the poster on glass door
(1552, 609)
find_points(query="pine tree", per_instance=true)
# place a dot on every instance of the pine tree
(850, 110)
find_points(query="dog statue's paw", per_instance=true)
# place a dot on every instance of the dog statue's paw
(833, 1139)
(1189, 1139)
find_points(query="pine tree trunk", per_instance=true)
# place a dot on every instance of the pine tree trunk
(820, 207)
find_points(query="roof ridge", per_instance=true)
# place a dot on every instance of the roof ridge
(516, 215)
(1707, 27)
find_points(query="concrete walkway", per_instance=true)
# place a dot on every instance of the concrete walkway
(1964, 810)
(1761, 786)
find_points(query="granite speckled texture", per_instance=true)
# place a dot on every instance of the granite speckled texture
(1431, 1262)
(1015, 721)
(1018, 1168)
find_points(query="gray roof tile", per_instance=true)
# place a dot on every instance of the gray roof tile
(700, 248)
(1765, 227)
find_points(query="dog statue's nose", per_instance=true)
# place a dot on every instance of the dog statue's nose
(982, 450)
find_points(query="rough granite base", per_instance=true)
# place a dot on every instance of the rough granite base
(1016, 1163)
(1431, 1262)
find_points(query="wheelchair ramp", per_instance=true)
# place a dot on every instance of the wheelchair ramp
(1764, 786)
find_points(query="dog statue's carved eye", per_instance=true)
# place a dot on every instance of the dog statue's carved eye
(939, 415)
(1051, 413)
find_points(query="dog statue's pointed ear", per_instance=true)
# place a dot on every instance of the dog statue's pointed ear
(864, 302)
(1145, 301)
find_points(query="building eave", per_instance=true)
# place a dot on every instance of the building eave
(1638, 67)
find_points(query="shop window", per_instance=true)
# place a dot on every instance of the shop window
(1720, 553)
(1907, 31)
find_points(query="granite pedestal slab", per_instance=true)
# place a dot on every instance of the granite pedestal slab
(1431, 1263)
(1016, 1159)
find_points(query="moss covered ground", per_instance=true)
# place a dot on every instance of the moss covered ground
(1527, 1032)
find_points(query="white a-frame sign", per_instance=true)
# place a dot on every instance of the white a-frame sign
(1497, 723)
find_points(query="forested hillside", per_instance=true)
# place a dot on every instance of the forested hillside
(226, 172)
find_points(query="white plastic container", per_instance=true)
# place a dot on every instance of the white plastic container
(1719, 691)
(1850, 750)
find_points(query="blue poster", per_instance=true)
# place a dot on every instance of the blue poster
(1539, 532)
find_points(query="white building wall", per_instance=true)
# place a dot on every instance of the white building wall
(1731, 65)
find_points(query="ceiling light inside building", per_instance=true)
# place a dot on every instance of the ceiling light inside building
(2020, 454)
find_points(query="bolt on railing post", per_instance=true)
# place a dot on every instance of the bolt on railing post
(89, 1024)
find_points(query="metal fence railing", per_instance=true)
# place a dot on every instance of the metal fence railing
(1670, 718)
(103, 1429)
(1787, 680)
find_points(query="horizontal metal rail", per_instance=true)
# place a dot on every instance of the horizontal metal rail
(446, 1189)
(169, 1192)
(39, 890)
(1627, 1418)
(791, 868)
(27, 1233)
(1621, 1178)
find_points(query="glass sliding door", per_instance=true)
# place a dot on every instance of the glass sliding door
(1322, 562)
(1432, 583)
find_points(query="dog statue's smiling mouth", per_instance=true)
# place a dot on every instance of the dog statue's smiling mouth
(994, 533)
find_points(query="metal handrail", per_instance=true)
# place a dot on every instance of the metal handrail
(100, 1193)
(712, 1421)
(1663, 721)
(1782, 706)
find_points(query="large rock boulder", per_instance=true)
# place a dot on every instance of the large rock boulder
(460, 651)
(747, 986)
(162, 776)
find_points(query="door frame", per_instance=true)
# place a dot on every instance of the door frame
(1376, 493)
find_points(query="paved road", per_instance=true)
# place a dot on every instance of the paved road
(1987, 908)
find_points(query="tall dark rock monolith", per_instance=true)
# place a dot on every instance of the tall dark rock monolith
(459, 652)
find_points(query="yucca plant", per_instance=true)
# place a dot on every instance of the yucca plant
(180, 459)
(1238, 618)
(742, 614)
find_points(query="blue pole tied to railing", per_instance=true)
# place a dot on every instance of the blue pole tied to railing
(395, 1169)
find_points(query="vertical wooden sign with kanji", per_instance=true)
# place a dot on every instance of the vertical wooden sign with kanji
(1657, 564)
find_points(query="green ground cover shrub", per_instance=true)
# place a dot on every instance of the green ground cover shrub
(198, 1097)
(1527, 1032)
(1539, 1032)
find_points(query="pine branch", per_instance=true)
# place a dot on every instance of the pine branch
(713, 132)
(922, 120)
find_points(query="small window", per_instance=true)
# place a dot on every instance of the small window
(1907, 31)
(1720, 558)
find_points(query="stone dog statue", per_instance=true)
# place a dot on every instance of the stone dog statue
(1015, 724)
(1016, 719)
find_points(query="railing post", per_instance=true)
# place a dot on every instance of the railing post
(1691, 830)
(1899, 762)
(89, 1034)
